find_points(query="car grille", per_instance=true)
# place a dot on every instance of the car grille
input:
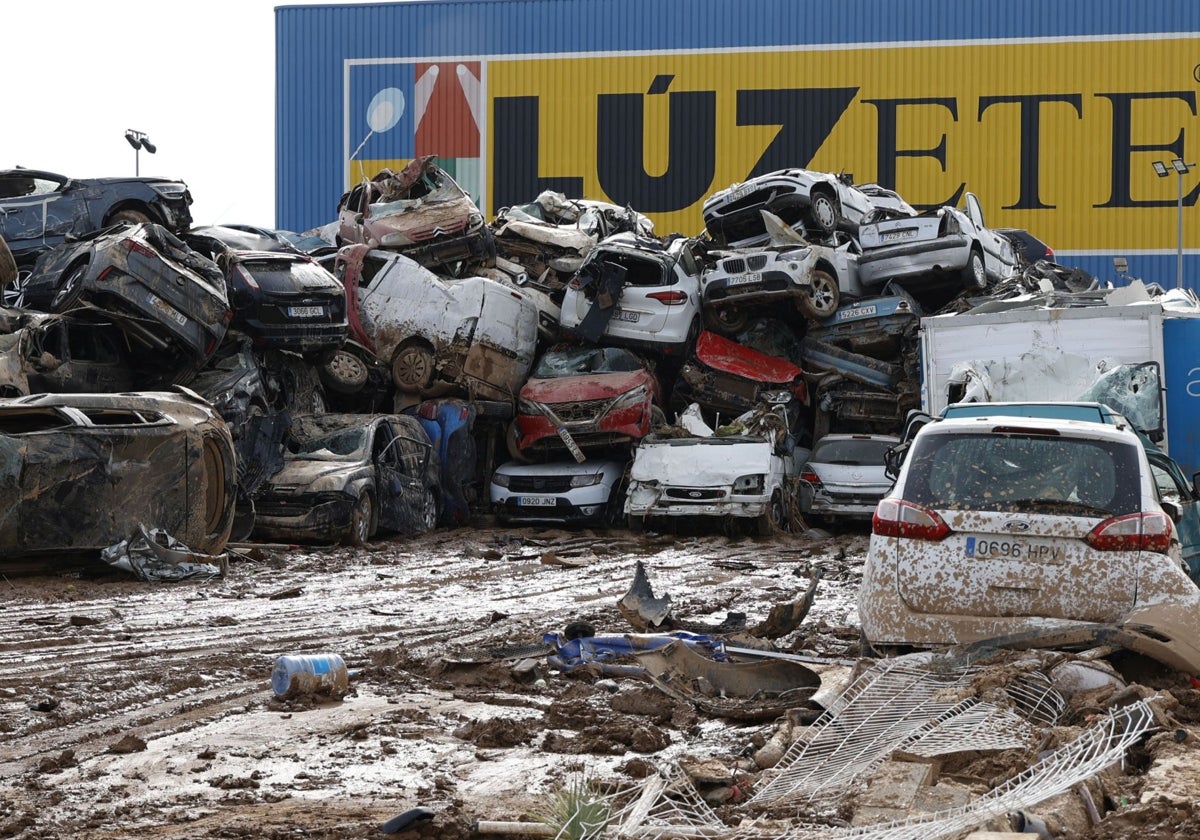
(539, 483)
(434, 231)
(293, 506)
(578, 412)
(740, 265)
(694, 495)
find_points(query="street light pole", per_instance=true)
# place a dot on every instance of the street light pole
(139, 140)
(1181, 169)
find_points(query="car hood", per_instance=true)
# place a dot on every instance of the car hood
(700, 462)
(297, 475)
(730, 357)
(593, 386)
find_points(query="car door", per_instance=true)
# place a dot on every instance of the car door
(998, 255)
(1174, 491)
(399, 465)
(35, 211)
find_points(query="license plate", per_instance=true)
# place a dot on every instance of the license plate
(537, 501)
(898, 235)
(740, 191)
(999, 548)
(571, 445)
(857, 312)
(166, 309)
(306, 311)
(626, 315)
(743, 279)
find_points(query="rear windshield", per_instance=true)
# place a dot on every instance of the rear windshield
(1023, 473)
(851, 453)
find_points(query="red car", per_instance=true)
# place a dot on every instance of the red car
(728, 378)
(585, 397)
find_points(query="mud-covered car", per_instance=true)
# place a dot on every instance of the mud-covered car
(39, 209)
(469, 335)
(561, 492)
(581, 398)
(345, 477)
(42, 353)
(420, 212)
(940, 247)
(175, 295)
(8, 276)
(279, 296)
(84, 471)
(811, 203)
(727, 378)
(636, 291)
(1049, 529)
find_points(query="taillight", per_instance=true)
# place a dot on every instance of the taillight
(248, 277)
(576, 283)
(669, 298)
(1133, 532)
(144, 250)
(105, 274)
(1049, 254)
(811, 477)
(896, 518)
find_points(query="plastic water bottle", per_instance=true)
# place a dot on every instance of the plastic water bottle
(310, 673)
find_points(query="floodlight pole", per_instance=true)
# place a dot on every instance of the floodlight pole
(139, 140)
(1179, 215)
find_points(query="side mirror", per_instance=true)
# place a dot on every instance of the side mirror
(1172, 510)
(893, 458)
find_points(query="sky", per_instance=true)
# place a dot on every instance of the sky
(198, 79)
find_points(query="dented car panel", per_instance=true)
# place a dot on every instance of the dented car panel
(419, 211)
(473, 335)
(115, 462)
(1006, 525)
(347, 476)
(728, 378)
(599, 396)
(176, 295)
(61, 354)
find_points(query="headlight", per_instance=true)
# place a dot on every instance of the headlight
(586, 480)
(633, 398)
(393, 240)
(777, 397)
(525, 406)
(501, 479)
(747, 484)
(328, 484)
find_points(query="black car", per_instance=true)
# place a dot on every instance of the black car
(281, 298)
(39, 209)
(1029, 248)
(347, 476)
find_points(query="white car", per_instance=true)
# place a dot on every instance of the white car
(438, 335)
(946, 245)
(844, 476)
(636, 291)
(1050, 530)
(561, 492)
(812, 203)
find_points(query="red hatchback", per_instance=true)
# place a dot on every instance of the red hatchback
(585, 397)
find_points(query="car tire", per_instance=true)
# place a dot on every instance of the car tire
(823, 211)
(344, 372)
(771, 521)
(133, 217)
(821, 299)
(14, 292)
(412, 367)
(429, 512)
(362, 520)
(726, 320)
(70, 290)
(975, 272)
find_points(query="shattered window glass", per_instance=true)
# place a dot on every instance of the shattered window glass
(850, 452)
(339, 445)
(1168, 490)
(1024, 473)
(584, 360)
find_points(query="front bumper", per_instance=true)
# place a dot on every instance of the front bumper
(327, 518)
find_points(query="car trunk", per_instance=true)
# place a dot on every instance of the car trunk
(923, 228)
(1007, 564)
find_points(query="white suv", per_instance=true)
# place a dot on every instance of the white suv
(1047, 530)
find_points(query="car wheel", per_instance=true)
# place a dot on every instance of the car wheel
(412, 368)
(362, 520)
(824, 212)
(345, 372)
(727, 320)
(133, 217)
(71, 289)
(821, 299)
(14, 292)
(636, 523)
(975, 273)
(771, 521)
(429, 512)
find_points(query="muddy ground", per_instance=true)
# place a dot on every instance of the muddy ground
(145, 710)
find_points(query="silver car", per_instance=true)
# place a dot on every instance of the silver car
(844, 476)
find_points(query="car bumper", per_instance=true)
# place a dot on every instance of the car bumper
(298, 338)
(327, 519)
(894, 262)
(579, 504)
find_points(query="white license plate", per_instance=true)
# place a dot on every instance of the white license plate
(857, 312)
(1013, 549)
(537, 501)
(740, 191)
(898, 235)
(626, 315)
(306, 311)
(743, 279)
(166, 309)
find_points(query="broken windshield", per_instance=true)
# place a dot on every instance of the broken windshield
(341, 445)
(581, 361)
